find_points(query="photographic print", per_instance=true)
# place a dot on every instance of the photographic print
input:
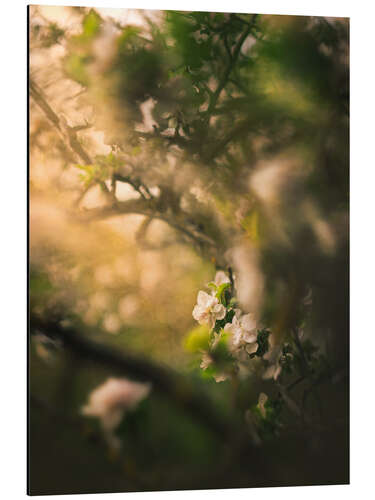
(188, 250)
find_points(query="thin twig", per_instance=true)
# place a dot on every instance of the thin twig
(225, 77)
(67, 134)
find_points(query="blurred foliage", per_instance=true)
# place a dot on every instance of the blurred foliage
(165, 146)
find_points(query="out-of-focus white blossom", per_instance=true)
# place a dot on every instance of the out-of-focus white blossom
(261, 402)
(243, 330)
(307, 300)
(208, 309)
(220, 377)
(206, 360)
(111, 400)
(112, 323)
(273, 357)
(221, 278)
(273, 371)
(249, 277)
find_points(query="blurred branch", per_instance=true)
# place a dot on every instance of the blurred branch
(62, 128)
(165, 381)
(233, 56)
(150, 208)
(38, 95)
(141, 237)
(142, 206)
(67, 134)
(135, 183)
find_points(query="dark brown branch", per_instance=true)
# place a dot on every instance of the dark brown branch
(135, 184)
(66, 133)
(228, 71)
(145, 207)
(237, 133)
(38, 96)
(165, 381)
(142, 206)
(139, 206)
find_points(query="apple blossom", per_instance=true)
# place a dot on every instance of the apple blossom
(111, 400)
(261, 402)
(221, 278)
(273, 357)
(243, 330)
(208, 309)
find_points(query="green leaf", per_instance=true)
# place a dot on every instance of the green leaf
(197, 339)
(221, 353)
(263, 343)
(212, 285)
(75, 67)
(91, 24)
(220, 323)
(220, 294)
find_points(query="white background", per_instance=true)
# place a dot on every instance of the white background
(13, 243)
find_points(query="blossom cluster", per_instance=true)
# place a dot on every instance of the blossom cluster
(240, 333)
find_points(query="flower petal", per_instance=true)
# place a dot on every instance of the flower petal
(237, 336)
(197, 312)
(277, 372)
(220, 311)
(229, 327)
(249, 337)
(203, 298)
(220, 377)
(237, 314)
(270, 371)
(261, 402)
(248, 322)
(206, 361)
(221, 278)
(252, 347)
(262, 398)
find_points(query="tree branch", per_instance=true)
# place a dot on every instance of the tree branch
(165, 381)
(142, 206)
(67, 134)
(232, 62)
(149, 208)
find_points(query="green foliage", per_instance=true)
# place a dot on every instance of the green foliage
(220, 352)
(103, 168)
(140, 74)
(39, 283)
(91, 25)
(80, 54)
(220, 323)
(183, 29)
(268, 424)
(263, 343)
(288, 358)
(221, 293)
(75, 67)
(197, 339)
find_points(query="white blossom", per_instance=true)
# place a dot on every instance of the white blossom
(221, 278)
(206, 360)
(208, 309)
(111, 400)
(261, 402)
(220, 377)
(273, 357)
(244, 331)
